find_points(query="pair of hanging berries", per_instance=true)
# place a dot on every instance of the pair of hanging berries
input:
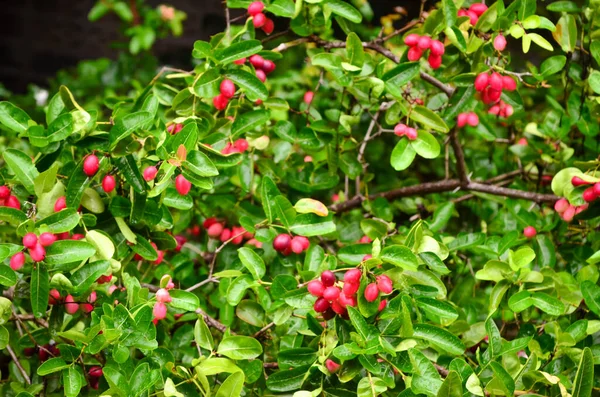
(473, 12)
(260, 20)
(287, 244)
(7, 199)
(227, 91)
(36, 248)
(419, 44)
(404, 130)
(468, 118)
(567, 211)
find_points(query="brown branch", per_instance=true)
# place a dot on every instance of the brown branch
(263, 330)
(18, 364)
(461, 165)
(271, 365)
(211, 321)
(512, 193)
(135, 12)
(441, 370)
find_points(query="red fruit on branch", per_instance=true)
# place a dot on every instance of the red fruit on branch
(95, 372)
(597, 188)
(496, 81)
(382, 304)
(482, 81)
(30, 240)
(328, 278)
(473, 18)
(262, 76)
(268, 66)
(508, 83)
(332, 366)
(159, 311)
(331, 293)
(182, 185)
(296, 246)
(478, 8)
(255, 7)
(371, 292)
(461, 120)
(4, 192)
(108, 183)
(13, 202)
(225, 235)
(346, 300)
(412, 39)
(227, 88)
(400, 129)
(589, 194)
(241, 145)
(561, 205)
(308, 97)
(282, 242)
(47, 239)
(352, 276)
(259, 20)
(350, 289)
(240, 61)
(17, 261)
(424, 43)
(414, 54)
(437, 48)
(529, 232)
(435, 61)
(472, 119)
(220, 102)
(569, 213)
(54, 297)
(86, 308)
(577, 181)
(60, 204)
(91, 165)
(257, 61)
(500, 42)
(37, 253)
(162, 295)
(338, 308)
(70, 305)
(384, 284)
(321, 305)
(316, 288)
(268, 27)
(411, 133)
(214, 230)
(150, 173)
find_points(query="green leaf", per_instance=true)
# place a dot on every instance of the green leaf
(520, 301)
(60, 222)
(202, 335)
(83, 278)
(402, 155)
(539, 40)
(253, 262)
(312, 225)
(8, 277)
(344, 10)
(565, 33)
(52, 365)
(396, 78)
(240, 348)
(67, 251)
(129, 169)
(72, 381)
(563, 6)
(439, 338)
(184, 300)
(282, 8)
(426, 145)
(232, 386)
(285, 381)
(13, 118)
(4, 337)
(591, 295)
(452, 386)
(450, 14)
(285, 211)
(583, 383)
(207, 86)
(239, 50)
(311, 206)
(594, 81)
(354, 49)
(249, 121)
(268, 193)
(249, 83)
(200, 164)
(371, 386)
(12, 215)
(436, 309)
(502, 381)
(39, 290)
(127, 125)
(401, 256)
(548, 304)
(22, 166)
(466, 241)
(553, 65)
(494, 338)
(546, 254)
(428, 118)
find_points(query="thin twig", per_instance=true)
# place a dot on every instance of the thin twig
(263, 329)
(18, 364)
(211, 321)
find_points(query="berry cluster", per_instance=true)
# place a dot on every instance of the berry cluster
(287, 244)
(159, 311)
(237, 234)
(591, 193)
(7, 199)
(491, 85)
(501, 109)
(473, 12)
(469, 118)
(383, 284)
(419, 44)
(260, 20)
(567, 211)
(239, 146)
(36, 248)
(404, 130)
(227, 91)
(71, 306)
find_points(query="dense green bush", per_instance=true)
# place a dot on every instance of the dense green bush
(433, 183)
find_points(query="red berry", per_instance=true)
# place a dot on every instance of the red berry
(482, 81)
(321, 305)
(220, 102)
(308, 97)
(282, 242)
(400, 130)
(412, 39)
(262, 76)
(384, 284)
(227, 88)
(473, 18)
(108, 183)
(93, 296)
(86, 307)
(328, 314)
(240, 61)
(508, 111)
(150, 173)
(255, 7)
(435, 61)
(332, 366)
(268, 66)
(182, 185)
(208, 222)
(346, 300)
(597, 188)
(30, 240)
(296, 246)
(95, 372)
(500, 43)
(214, 230)
(424, 43)
(414, 54)
(411, 133)
(338, 308)
(13, 202)
(478, 8)
(77, 236)
(159, 311)
(461, 121)
(47, 239)
(472, 119)
(328, 278)
(225, 235)
(496, 81)
(569, 213)
(37, 253)
(561, 205)
(241, 145)
(352, 276)
(382, 304)
(367, 257)
(268, 27)
(493, 95)
(17, 261)
(257, 61)
(331, 293)
(437, 48)
(259, 20)
(54, 297)
(508, 83)
(350, 288)
(238, 235)
(529, 232)
(589, 195)
(60, 204)
(162, 295)
(371, 292)
(4, 192)
(70, 306)
(577, 181)
(316, 288)
(91, 165)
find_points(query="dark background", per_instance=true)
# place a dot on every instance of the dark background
(40, 37)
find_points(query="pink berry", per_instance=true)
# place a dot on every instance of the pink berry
(384, 284)
(30, 240)
(262, 76)
(472, 119)
(331, 293)
(597, 188)
(482, 81)
(227, 88)
(150, 173)
(308, 97)
(367, 257)
(77, 236)
(461, 120)
(332, 366)
(321, 305)
(182, 185)
(255, 7)
(473, 18)
(352, 276)
(400, 129)
(304, 241)
(346, 300)
(268, 27)
(316, 288)
(259, 20)
(60, 204)
(589, 195)
(508, 83)
(529, 232)
(240, 61)
(225, 235)
(220, 102)
(17, 261)
(577, 181)
(411, 133)
(424, 43)
(496, 81)
(86, 307)
(54, 297)
(214, 230)
(159, 311)
(108, 183)
(493, 95)
(437, 48)
(500, 43)
(338, 308)
(296, 246)
(163, 296)
(95, 372)
(241, 145)
(93, 296)
(268, 66)
(350, 289)
(70, 306)
(414, 54)
(47, 239)
(561, 205)
(4, 192)
(282, 242)
(382, 304)
(371, 292)
(412, 39)
(91, 165)
(478, 8)
(435, 61)
(328, 278)
(569, 213)
(508, 111)
(257, 61)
